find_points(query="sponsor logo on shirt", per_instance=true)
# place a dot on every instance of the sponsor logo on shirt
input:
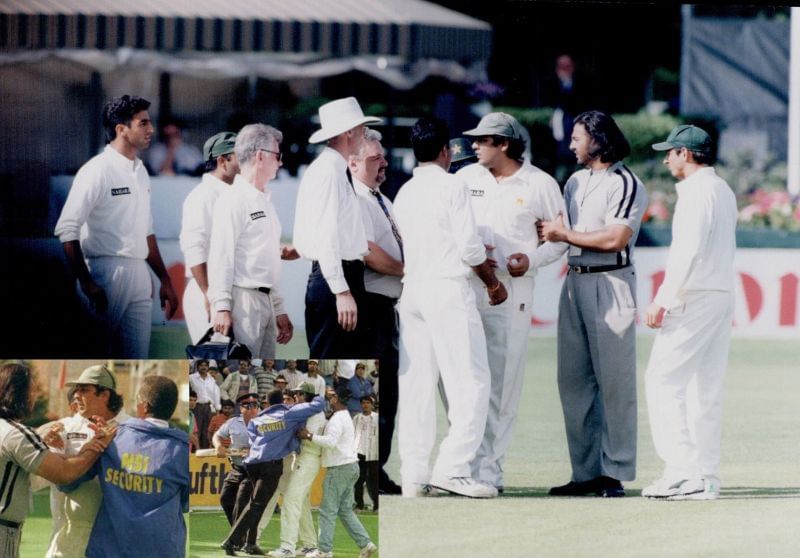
(258, 215)
(77, 436)
(120, 191)
(477, 193)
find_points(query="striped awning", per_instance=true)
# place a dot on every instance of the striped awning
(317, 29)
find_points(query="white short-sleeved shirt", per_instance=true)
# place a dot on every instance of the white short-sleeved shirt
(108, 207)
(440, 239)
(328, 226)
(198, 216)
(379, 230)
(245, 248)
(21, 453)
(506, 212)
(614, 196)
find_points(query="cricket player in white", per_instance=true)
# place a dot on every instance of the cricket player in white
(195, 237)
(693, 309)
(244, 261)
(508, 196)
(107, 220)
(440, 329)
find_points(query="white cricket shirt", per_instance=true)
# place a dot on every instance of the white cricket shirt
(108, 207)
(328, 227)
(440, 239)
(506, 212)
(245, 248)
(703, 239)
(198, 216)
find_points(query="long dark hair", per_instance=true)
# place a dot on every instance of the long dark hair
(610, 144)
(15, 391)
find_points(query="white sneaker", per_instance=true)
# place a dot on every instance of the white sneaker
(305, 550)
(317, 553)
(368, 550)
(417, 490)
(465, 486)
(711, 488)
(665, 488)
(283, 553)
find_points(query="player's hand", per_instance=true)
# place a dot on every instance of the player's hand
(552, 231)
(518, 264)
(101, 440)
(347, 310)
(96, 295)
(302, 434)
(654, 316)
(53, 437)
(285, 328)
(222, 451)
(223, 322)
(498, 295)
(169, 300)
(288, 252)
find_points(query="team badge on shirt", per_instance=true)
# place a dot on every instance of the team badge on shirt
(520, 201)
(477, 193)
(258, 215)
(77, 436)
(120, 191)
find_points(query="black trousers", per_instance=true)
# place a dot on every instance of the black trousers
(384, 335)
(202, 414)
(367, 471)
(326, 338)
(236, 489)
(264, 478)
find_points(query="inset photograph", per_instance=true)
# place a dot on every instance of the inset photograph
(284, 458)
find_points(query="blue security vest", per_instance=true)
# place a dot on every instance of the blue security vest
(272, 432)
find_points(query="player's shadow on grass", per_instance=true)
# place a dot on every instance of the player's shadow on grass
(728, 493)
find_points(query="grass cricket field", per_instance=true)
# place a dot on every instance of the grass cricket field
(758, 513)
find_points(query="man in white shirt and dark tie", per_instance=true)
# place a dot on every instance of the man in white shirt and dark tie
(441, 334)
(382, 280)
(329, 231)
(244, 261)
(693, 311)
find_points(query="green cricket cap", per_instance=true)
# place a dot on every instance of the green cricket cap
(219, 144)
(498, 124)
(97, 375)
(461, 150)
(688, 136)
(306, 387)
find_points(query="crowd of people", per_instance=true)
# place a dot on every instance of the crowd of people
(250, 492)
(120, 482)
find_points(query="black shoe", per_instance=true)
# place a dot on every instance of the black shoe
(229, 548)
(609, 488)
(573, 488)
(389, 487)
(254, 549)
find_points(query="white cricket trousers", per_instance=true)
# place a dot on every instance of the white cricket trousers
(296, 513)
(684, 385)
(286, 476)
(194, 310)
(254, 321)
(129, 291)
(440, 334)
(508, 328)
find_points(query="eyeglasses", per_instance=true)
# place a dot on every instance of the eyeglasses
(250, 405)
(278, 154)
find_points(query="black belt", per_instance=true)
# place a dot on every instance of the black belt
(265, 290)
(12, 524)
(580, 269)
(206, 403)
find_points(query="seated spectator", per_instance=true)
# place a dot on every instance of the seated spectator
(171, 156)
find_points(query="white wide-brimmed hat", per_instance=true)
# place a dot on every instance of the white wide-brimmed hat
(339, 116)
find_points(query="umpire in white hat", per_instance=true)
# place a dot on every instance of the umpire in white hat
(329, 231)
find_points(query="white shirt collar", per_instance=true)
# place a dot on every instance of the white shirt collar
(121, 160)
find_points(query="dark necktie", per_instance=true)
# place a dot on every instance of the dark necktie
(350, 179)
(395, 232)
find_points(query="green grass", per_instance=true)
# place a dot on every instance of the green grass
(169, 342)
(209, 529)
(39, 526)
(757, 514)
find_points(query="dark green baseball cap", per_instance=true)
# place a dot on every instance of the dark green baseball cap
(688, 136)
(461, 150)
(97, 375)
(498, 124)
(219, 144)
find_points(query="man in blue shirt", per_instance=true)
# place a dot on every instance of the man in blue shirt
(144, 477)
(272, 437)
